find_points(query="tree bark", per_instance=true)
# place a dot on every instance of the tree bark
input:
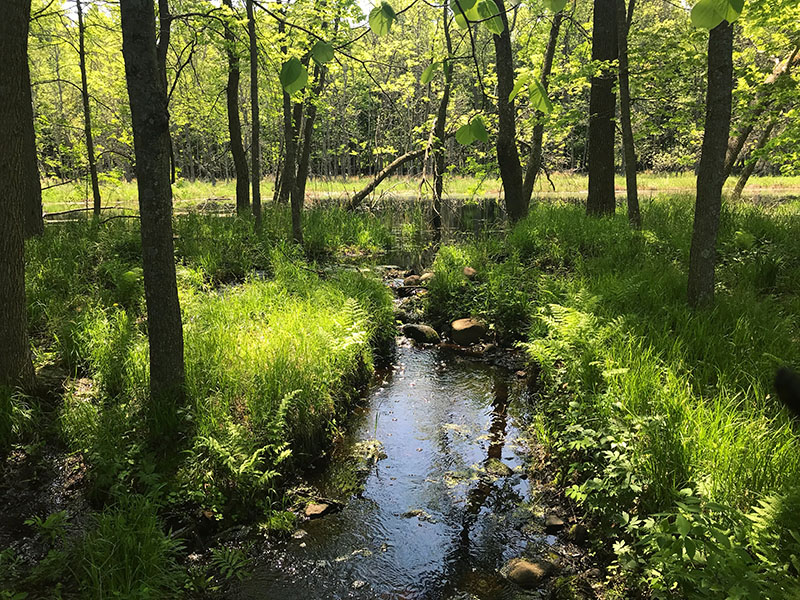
(602, 105)
(507, 153)
(255, 144)
(87, 113)
(308, 134)
(32, 201)
(702, 256)
(359, 196)
(631, 186)
(234, 122)
(535, 158)
(16, 368)
(751, 164)
(148, 102)
(439, 132)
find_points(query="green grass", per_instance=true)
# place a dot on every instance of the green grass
(655, 412)
(276, 352)
(203, 195)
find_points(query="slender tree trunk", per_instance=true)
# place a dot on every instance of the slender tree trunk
(602, 105)
(702, 257)
(439, 132)
(535, 158)
(87, 113)
(255, 144)
(308, 134)
(289, 169)
(751, 164)
(507, 153)
(32, 201)
(631, 186)
(15, 118)
(398, 162)
(148, 102)
(234, 122)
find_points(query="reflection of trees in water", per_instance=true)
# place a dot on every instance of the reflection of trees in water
(496, 494)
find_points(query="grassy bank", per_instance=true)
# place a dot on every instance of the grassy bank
(189, 195)
(659, 421)
(276, 352)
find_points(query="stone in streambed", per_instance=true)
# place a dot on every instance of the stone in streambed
(317, 509)
(411, 280)
(553, 523)
(578, 533)
(423, 334)
(498, 468)
(466, 332)
(528, 574)
(425, 277)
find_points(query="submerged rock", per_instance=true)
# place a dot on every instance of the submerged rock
(528, 574)
(578, 533)
(423, 334)
(498, 468)
(466, 332)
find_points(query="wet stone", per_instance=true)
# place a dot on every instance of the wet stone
(317, 509)
(466, 332)
(498, 468)
(578, 533)
(553, 523)
(529, 574)
(423, 334)
(425, 277)
(411, 280)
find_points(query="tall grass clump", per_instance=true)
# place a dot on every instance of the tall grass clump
(662, 419)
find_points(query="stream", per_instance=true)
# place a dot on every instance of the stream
(443, 505)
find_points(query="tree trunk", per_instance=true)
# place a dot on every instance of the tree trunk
(602, 105)
(87, 113)
(702, 257)
(439, 133)
(751, 165)
(148, 102)
(631, 186)
(359, 196)
(535, 158)
(15, 119)
(255, 143)
(289, 169)
(32, 200)
(234, 123)
(507, 154)
(308, 134)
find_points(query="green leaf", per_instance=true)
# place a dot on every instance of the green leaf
(294, 76)
(683, 525)
(429, 72)
(322, 52)
(690, 547)
(555, 5)
(521, 82)
(487, 9)
(464, 135)
(539, 99)
(463, 10)
(707, 14)
(381, 18)
(478, 129)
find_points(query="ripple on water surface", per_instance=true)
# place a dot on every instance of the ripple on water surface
(439, 515)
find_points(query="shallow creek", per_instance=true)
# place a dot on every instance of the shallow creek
(440, 514)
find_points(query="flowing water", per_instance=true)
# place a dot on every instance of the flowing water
(440, 514)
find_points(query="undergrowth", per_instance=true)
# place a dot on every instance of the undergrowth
(660, 421)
